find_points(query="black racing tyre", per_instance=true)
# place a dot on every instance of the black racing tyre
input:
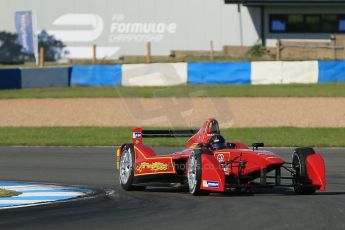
(301, 182)
(126, 169)
(194, 174)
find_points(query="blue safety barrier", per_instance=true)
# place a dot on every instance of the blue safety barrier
(45, 77)
(331, 71)
(10, 79)
(111, 75)
(219, 73)
(96, 75)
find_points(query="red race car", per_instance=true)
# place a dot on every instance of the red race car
(210, 164)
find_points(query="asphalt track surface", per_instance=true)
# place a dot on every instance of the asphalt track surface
(161, 208)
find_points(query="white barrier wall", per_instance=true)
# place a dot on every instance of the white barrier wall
(300, 72)
(159, 74)
(277, 72)
(269, 72)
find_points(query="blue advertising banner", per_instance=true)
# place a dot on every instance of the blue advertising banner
(25, 31)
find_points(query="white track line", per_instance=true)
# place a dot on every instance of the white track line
(36, 194)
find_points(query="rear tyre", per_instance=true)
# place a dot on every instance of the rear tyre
(194, 174)
(301, 181)
(126, 171)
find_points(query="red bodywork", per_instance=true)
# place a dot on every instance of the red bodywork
(216, 176)
(316, 171)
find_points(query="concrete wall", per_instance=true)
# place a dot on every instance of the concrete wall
(122, 27)
(113, 24)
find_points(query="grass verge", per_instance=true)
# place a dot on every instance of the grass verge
(100, 136)
(291, 90)
(8, 193)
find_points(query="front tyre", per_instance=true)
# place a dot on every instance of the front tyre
(194, 174)
(301, 181)
(126, 171)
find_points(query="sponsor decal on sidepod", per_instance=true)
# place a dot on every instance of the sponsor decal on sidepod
(155, 166)
(136, 135)
(210, 184)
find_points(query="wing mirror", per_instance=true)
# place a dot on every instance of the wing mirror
(257, 145)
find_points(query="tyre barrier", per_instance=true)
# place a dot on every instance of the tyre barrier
(96, 75)
(45, 77)
(169, 74)
(219, 73)
(10, 79)
(20, 78)
(158, 74)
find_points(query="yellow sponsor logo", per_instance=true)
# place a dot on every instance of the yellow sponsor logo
(155, 166)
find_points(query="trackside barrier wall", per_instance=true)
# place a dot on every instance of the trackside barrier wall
(96, 75)
(279, 72)
(219, 73)
(332, 71)
(303, 72)
(10, 79)
(166, 74)
(45, 77)
(267, 72)
(158, 74)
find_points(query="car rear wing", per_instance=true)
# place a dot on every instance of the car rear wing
(139, 134)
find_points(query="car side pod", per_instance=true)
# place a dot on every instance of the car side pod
(212, 174)
(316, 171)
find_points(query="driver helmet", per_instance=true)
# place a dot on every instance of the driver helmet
(217, 142)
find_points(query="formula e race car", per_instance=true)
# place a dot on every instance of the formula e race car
(210, 164)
